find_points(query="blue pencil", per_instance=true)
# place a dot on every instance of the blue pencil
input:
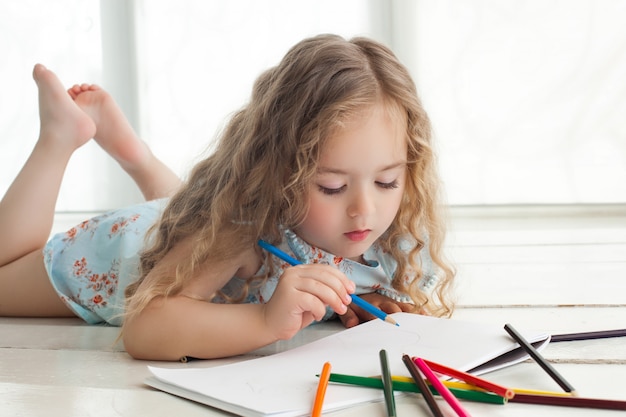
(355, 298)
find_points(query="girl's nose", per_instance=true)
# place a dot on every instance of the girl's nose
(361, 205)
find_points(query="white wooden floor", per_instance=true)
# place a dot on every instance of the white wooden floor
(557, 271)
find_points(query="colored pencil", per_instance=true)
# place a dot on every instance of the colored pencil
(466, 386)
(472, 379)
(570, 401)
(321, 391)
(375, 311)
(558, 378)
(601, 334)
(390, 400)
(441, 389)
(401, 386)
(564, 400)
(417, 377)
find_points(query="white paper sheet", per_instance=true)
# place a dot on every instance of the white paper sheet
(284, 384)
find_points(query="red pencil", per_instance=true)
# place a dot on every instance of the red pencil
(440, 388)
(471, 379)
(428, 396)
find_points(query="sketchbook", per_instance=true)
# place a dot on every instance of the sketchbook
(284, 384)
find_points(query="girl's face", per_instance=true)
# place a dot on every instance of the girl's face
(359, 184)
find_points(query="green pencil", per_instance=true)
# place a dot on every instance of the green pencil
(362, 381)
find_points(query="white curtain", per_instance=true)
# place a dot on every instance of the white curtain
(65, 36)
(526, 97)
(199, 59)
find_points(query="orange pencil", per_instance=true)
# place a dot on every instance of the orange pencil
(321, 391)
(507, 393)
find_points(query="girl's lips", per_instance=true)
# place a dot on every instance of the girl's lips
(357, 235)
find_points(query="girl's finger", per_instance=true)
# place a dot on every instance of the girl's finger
(330, 275)
(338, 301)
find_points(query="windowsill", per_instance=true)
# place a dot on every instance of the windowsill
(463, 217)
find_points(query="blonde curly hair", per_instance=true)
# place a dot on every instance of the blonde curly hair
(256, 181)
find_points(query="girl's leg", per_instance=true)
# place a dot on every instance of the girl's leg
(27, 209)
(115, 135)
(26, 291)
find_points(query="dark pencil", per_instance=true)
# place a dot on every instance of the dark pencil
(569, 401)
(387, 384)
(539, 359)
(568, 337)
(417, 377)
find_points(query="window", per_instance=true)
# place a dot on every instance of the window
(177, 69)
(526, 97)
(65, 36)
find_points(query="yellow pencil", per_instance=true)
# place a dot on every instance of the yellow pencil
(463, 385)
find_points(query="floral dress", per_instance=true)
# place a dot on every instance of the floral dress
(91, 264)
(373, 276)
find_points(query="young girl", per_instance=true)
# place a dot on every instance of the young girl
(331, 161)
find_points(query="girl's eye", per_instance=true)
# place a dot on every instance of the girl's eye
(331, 191)
(388, 185)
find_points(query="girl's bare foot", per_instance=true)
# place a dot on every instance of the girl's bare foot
(113, 131)
(62, 121)
(117, 137)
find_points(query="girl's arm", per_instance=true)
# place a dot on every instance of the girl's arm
(189, 325)
(178, 326)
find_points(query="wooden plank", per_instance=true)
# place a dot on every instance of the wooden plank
(563, 253)
(79, 401)
(541, 284)
(559, 320)
(549, 319)
(509, 236)
(56, 334)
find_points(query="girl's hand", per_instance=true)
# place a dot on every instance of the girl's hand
(301, 297)
(356, 315)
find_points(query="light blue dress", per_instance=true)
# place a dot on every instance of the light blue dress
(91, 264)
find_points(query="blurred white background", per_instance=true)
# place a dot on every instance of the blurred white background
(527, 98)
